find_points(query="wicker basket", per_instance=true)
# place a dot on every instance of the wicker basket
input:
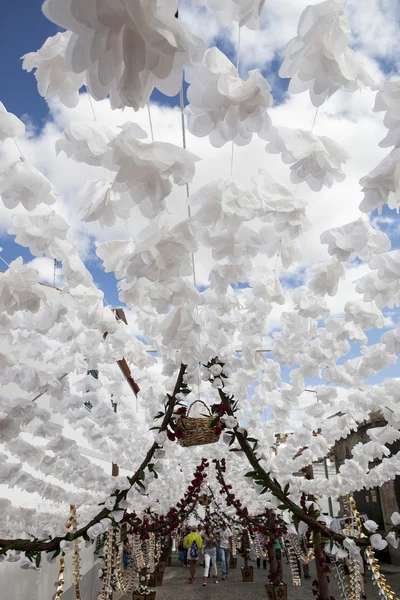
(197, 430)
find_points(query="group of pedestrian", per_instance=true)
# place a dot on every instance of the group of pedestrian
(210, 542)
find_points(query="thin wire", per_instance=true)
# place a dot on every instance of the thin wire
(91, 104)
(2, 259)
(315, 118)
(151, 122)
(237, 68)
(182, 107)
(22, 157)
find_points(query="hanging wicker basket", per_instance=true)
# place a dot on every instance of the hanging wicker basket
(197, 430)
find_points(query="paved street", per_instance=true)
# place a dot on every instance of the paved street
(176, 586)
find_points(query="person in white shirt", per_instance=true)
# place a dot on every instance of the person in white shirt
(225, 546)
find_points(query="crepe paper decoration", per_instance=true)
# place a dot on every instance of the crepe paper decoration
(317, 160)
(388, 99)
(51, 72)
(39, 232)
(102, 203)
(10, 125)
(144, 171)
(86, 142)
(125, 52)
(318, 59)
(382, 185)
(357, 239)
(222, 105)
(21, 183)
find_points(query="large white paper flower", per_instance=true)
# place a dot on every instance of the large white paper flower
(160, 254)
(279, 206)
(245, 12)
(101, 203)
(22, 183)
(125, 49)
(325, 277)
(388, 99)
(144, 171)
(355, 239)
(19, 289)
(318, 59)
(382, 284)
(315, 159)
(224, 204)
(39, 232)
(382, 185)
(86, 142)
(52, 74)
(224, 106)
(10, 125)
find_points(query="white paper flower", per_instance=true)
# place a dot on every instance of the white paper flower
(277, 205)
(19, 289)
(217, 383)
(382, 185)
(224, 205)
(162, 253)
(309, 305)
(382, 284)
(317, 160)
(222, 105)
(110, 502)
(388, 99)
(365, 314)
(39, 232)
(10, 125)
(101, 203)
(318, 59)
(66, 546)
(216, 370)
(22, 183)
(231, 422)
(371, 525)
(245, 12)
(95, 530)
(52, 74)
(325, 277)
(144, 171)
(355, 239)
(125, 51)
(377, 541)
(395, 518)
(86, 142)
(161, 438)
(117, 515)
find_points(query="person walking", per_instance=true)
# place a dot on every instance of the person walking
(261, 540)
(225, 547)
(194, 543)
(210, 554)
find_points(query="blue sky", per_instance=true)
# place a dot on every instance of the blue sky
(20, 96)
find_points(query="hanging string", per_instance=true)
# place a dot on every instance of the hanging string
(237, 68)
(91, 104)
(150, 122)
(2, 259)
(315, 118)
(22, 157)
(182, 107)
